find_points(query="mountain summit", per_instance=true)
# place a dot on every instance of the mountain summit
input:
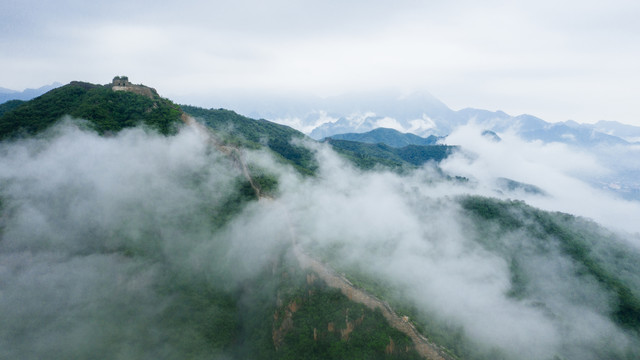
(107, 108)
(27, 94)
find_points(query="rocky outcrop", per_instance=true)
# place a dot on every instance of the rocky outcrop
(390, 347)
(279, 333)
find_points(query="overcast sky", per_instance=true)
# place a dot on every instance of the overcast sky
(558, 60)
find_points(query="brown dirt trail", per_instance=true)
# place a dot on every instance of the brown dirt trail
(423, 346)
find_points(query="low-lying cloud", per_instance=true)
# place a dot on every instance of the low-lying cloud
(97, 231)
(409, 232)
(567, 175)
(94, 229)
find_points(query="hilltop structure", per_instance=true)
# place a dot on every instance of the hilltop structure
(121, 83)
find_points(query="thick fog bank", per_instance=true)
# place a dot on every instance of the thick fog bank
(106, 241)
(575, 180)
(101, 237)
(410, 232)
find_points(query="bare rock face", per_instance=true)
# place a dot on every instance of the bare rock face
(390, 347)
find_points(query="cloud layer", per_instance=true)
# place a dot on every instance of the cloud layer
(566, 174)
(409, 232)
(97, 242)
(99, 234)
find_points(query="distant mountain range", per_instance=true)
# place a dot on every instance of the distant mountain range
(421, 114)
(627, 132)
(27, 94)
(418, 113)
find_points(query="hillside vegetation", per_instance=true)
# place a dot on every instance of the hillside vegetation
(9, 106)
(145, 227)
(596, 252)
(386, 136)
(106, 111)
(368, 156)
(242, 131)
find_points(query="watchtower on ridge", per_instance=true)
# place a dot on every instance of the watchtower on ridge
(121, 81)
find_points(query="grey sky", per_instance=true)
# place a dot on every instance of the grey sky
(564, 60)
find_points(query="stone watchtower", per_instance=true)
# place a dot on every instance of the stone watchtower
(121, 81)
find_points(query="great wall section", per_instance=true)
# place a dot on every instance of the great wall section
(422, 345)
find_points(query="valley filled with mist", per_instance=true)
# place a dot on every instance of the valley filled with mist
(135, 228)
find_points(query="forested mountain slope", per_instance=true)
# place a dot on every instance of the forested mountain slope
(134, 234)
(107, 111)
(386, 136)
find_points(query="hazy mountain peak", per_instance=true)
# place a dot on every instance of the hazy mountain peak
(627, 132)
(7, 91)
(27, 94)
(422, 114)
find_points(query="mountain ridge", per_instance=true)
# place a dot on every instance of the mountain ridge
(421, 114)
(182, 244)
(387, 136)
(418, 113)
(26, 94)
(105, 109)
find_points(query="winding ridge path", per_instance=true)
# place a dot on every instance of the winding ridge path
(423, 346)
